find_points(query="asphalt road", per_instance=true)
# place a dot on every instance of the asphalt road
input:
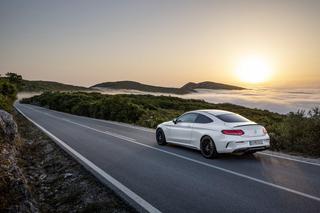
(176, 179)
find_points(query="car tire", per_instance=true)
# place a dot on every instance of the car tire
(208, 148)
(161, 138)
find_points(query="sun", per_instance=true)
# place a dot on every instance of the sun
(253, 69)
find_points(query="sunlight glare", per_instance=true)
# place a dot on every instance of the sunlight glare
(253, 69)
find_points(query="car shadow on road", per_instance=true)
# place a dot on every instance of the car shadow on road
(229, 157)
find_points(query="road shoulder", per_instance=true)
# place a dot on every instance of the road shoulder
(57, 181)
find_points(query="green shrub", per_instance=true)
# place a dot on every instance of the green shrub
(299, 133)
(8, 94)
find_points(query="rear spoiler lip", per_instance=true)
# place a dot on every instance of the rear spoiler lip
(252, 124)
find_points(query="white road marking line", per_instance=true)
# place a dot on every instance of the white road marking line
(212, 166)
(153, 131)
(108, 122)
(105, 131)
(144, 204)
(288, 158)
(127, 125)
(100, 131)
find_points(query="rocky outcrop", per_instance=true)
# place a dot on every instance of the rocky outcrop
(15, 195)
(8, 127)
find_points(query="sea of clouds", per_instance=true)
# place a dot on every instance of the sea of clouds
(276, 100)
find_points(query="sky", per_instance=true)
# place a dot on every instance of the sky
(161, 42)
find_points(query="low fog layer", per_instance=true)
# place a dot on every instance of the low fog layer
(276, 100)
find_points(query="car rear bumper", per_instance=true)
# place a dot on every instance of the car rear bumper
(241, 144)
(251, 149)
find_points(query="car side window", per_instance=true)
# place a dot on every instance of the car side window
(187, 118)
(202, 119)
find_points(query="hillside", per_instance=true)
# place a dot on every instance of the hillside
(209, 85)
(187, 88)
(37, 86)
(132, 85)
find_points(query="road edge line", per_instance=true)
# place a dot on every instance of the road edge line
(202, 163)
(151, 130)
(98, 172)
(288, 158)
(145, 129)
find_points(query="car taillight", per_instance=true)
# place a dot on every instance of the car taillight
(264, 131)
(233, 132)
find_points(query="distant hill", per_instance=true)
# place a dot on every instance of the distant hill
(132, 85)
(37, 86)
(187, 88)
(209, 85)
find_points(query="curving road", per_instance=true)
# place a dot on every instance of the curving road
(174, 179)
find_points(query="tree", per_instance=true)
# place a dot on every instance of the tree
(8, 94)
(14, 79)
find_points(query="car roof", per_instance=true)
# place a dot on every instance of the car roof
(214, 112)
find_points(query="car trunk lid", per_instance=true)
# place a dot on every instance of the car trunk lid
(250, 129)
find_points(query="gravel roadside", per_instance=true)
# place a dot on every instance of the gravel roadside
(56, 181)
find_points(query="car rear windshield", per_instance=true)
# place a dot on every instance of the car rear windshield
(232, 118)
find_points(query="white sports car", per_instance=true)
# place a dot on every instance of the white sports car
(213, 132)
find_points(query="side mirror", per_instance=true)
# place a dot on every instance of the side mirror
(175, 121)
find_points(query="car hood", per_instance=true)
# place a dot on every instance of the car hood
(166, 123)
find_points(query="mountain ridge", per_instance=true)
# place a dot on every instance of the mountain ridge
(210, 85)
(189, 87)
(39, 85)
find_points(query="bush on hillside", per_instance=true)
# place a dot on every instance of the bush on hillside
(8, 94)
(299, 132)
